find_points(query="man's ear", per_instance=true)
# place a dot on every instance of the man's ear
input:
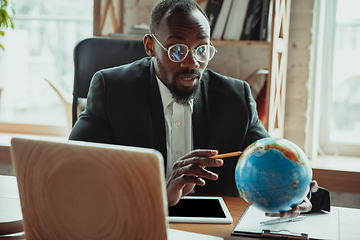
(148, 44)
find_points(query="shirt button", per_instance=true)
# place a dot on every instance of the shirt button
(177, 123)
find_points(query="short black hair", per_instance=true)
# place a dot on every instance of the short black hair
(163, 6)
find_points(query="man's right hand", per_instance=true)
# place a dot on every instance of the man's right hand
(189, 171)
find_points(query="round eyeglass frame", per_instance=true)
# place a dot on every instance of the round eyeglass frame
(188, 50)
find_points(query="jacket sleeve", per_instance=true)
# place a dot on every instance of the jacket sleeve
(255, 130)
(93, 124)
(320, 200)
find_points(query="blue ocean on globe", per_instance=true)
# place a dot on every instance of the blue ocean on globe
(273, 174)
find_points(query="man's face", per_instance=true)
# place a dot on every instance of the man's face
(182, 78)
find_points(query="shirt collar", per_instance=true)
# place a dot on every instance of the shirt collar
(165, 94)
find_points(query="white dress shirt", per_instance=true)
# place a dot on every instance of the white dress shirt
(178, 124)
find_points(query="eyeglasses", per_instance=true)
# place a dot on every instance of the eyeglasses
(179, 52)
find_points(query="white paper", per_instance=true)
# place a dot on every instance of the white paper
(317, 225)
(181, 235)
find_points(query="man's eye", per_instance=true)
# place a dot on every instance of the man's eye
(201, 49)
(177, 49)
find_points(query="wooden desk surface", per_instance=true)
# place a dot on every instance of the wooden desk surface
(349, 222)
(10, 210)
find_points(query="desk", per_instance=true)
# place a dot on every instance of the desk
(349, 222)
(10, 209)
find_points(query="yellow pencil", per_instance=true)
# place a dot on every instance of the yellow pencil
(225, 155)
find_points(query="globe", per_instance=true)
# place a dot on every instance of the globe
(273, 175)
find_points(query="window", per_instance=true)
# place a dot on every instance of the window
(41, 47)
(340, 77)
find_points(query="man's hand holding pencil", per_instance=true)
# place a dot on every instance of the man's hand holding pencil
(190, 170)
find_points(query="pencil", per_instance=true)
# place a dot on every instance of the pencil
(225, 155)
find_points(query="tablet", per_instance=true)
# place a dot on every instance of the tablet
(200, 209)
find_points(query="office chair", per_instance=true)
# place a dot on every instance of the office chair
(96, 53)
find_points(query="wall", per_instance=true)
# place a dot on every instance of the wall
(298, 75)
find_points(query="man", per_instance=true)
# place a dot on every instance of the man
(171, 102)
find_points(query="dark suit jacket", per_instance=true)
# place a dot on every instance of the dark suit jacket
(124, 107)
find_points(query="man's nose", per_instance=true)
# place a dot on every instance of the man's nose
(190, 61)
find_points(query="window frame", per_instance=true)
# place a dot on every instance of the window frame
(325, 28)
(20, 128)
(41, 129)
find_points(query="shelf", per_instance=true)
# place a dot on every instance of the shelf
(241, 43)
(215, 42)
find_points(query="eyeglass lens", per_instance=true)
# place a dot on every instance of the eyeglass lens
(179, 52)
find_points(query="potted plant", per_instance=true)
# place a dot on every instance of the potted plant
(5, 18)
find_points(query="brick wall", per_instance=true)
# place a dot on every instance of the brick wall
(298, 75)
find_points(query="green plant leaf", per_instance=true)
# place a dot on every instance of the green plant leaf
(1, 46)
(5, 3)
(5, 18)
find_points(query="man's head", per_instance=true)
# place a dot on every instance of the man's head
(179, 22)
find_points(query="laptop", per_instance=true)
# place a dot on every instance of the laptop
(82, 190)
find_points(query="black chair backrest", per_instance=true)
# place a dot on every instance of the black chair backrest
(96, 53)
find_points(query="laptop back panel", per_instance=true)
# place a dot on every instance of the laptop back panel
(78, 190)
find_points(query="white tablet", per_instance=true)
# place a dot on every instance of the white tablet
(200, 209)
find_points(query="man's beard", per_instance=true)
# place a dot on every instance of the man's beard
(181, 96)
(184, 96)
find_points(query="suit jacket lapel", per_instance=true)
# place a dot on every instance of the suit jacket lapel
(200, 116)
(157, 116)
